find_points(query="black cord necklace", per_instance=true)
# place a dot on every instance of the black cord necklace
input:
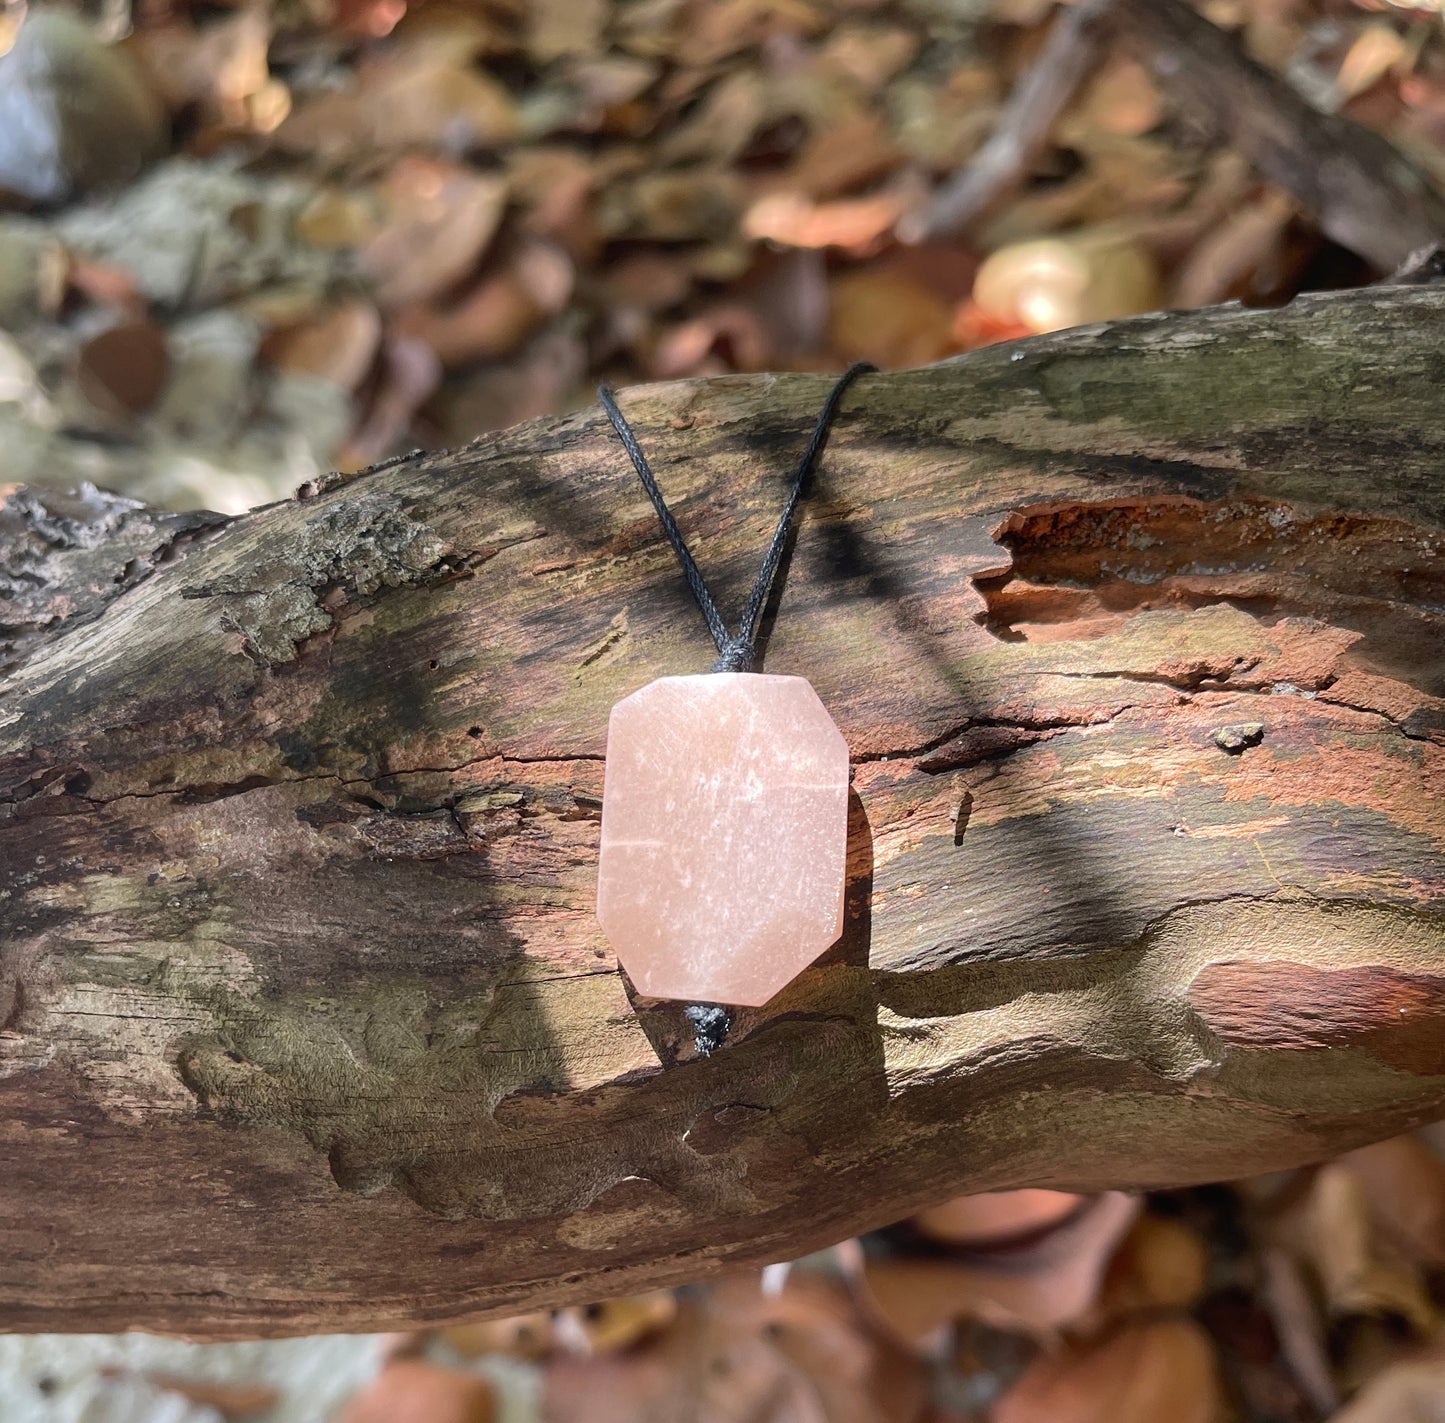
(725, 808)
(735, 653)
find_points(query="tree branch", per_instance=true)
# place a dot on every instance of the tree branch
(1074, 45)
(1135, 634)
(1366, 195)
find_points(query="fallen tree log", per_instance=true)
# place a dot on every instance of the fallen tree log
(1134, 632)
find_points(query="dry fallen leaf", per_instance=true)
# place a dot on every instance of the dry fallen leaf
(866, 54)
(439, 219)
(1409, 1392)
(1240, 248)
(1162, 1371)
(888, 317)
(453, 30)
(562, 27)
(410, 373)
(697, 346)
(524, 1336)
(685, 206)
(340, 344)
(727, 117)
(500, 312)
(335, 220)
(106, 284)
(611, 1325)
(490, 321)
(418, 100)
(778, 311)
(548, 374)
(738, 1354)
(1403, 1182)
(552, 187)
(1048, 1280)
(1377, 49)
(1161, 1264)
(997, 1215)
(1121, 99)
(231, 1400)
(367, 19)
(611, 87)
(721, 28)
(841, 157)
(794, 220)
(1359, 1270)
(650, 280)
(631, 1388)
(219, 67)
(415, 1391)
(123, 370)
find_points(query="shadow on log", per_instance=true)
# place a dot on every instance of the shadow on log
(1137, 636)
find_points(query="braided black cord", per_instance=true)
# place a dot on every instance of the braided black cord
(735, 653)
(715, 624)
(747, 629)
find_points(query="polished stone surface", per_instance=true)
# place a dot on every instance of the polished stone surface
(724, 835)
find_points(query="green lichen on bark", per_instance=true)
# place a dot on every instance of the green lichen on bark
(357, 546)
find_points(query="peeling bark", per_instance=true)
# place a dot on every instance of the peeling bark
(1135, 634)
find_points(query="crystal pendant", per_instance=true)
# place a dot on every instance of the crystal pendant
(724, 835)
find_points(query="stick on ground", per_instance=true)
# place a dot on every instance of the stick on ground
(1069, 54)
(1365, 194)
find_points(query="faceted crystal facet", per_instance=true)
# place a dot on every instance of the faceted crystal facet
(724, 835)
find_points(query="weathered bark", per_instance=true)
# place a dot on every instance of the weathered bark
(1135, 636)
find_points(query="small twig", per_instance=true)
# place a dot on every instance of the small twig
(1000, 167)
(1364, 193)
(1298, 1330)
(1419, 269)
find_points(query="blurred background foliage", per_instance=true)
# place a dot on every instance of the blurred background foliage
(244, 243)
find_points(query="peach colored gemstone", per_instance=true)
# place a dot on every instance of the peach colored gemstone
(724, 835)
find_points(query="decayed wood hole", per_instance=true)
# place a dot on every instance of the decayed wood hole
(1082, 570)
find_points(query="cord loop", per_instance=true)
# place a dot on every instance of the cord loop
(737, 652)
